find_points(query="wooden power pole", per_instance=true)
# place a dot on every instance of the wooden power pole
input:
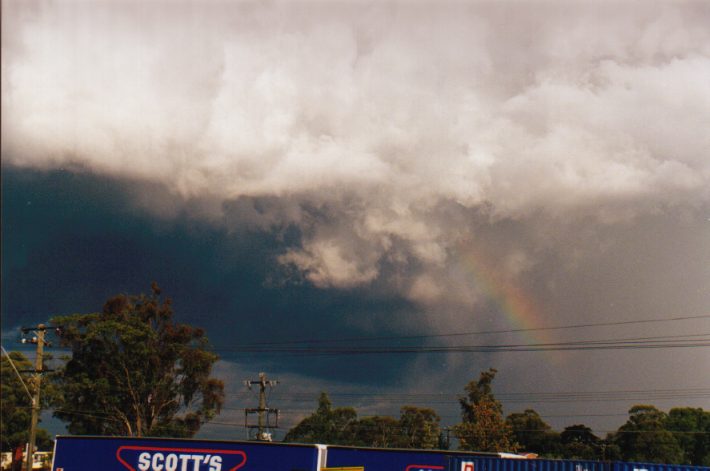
(263, 412)
(36, 383)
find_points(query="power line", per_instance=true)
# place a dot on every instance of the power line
(103, 416)
(633, 343)
(433, 399)
(395, 427)
(307, 411)
(484, 332)
(677, 341)
(22, 381)
(680, 392)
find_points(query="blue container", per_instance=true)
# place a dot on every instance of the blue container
(477, 463)
(378, 459)
(133, 454)
(622, 466)
(389, 459)
(480, 463)
(156, 454)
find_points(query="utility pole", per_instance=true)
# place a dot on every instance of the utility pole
(39, 331)
(262, 411)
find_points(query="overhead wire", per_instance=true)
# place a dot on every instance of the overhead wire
(104, 416)
(631, 343)
(304, 347)
(669, 341)
(482, 332)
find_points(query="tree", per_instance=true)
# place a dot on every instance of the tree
(644, 437)
(134, 371)
(325, 425)
(15, 406)
(378, 432)
(532, 433)
(419, 427)
(579, 442)
(482, 427)
(694, 423)
(416, 428)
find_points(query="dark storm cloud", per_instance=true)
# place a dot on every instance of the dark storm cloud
(72, 240)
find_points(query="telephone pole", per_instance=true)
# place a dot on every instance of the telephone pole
(264, 412)
(39, 332)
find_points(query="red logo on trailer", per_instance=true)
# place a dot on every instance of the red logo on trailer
(467, 466)
(148, 458)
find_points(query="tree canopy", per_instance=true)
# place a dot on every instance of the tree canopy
(532, 433)
(482, 427)
(377, 431)
(325, 425)
(15, 406)
(644, 437)
(691, 428)
(416, 428)
(579, 442)
(135, 371)
(419, 427)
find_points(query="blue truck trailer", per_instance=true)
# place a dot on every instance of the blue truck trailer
(394, 459)
(164, 454)
(157, 454)
(479, 463)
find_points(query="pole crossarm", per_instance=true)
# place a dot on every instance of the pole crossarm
(263, 411)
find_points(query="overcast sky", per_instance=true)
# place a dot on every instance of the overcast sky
(312, 171)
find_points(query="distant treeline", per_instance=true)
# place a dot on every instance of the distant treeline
(135, 371)
(681, 436)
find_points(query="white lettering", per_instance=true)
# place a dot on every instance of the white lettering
(196, 460)
(216, 463)
(183, 460)
(158, 457)
(153, 461)
(144, 461)
(171, 462)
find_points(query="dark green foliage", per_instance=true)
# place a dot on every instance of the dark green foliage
(578, 442)
(478, 392)
(378, 432)
(644, 437)
(419, 428)
(134, 371)
(15, 406)
(482, 427)
(416, 428)
(533, 434)
(325, 425)
(650, 435)
(691, 428)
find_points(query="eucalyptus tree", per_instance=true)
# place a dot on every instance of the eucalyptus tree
(482, 427)
(135, 371)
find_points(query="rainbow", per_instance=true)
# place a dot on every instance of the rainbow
(517, 305)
